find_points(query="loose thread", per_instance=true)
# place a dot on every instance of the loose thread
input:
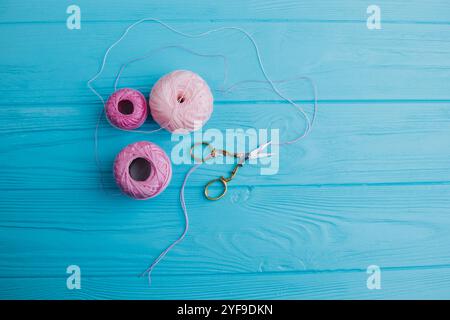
(149, 270)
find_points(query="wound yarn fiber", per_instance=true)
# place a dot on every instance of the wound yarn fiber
(126, 109)
(142, 170)
(181, 101)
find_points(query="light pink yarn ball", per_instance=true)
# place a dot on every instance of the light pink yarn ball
(126, 109)
(142, 170)
(182, 101)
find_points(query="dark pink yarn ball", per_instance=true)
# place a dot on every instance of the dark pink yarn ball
(126, 109)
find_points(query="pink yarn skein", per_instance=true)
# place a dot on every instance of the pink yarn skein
(126, 109)
(142, 170)
(182, 101)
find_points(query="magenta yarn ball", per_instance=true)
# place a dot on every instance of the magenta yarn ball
(181, 101)
(142, 170)
(126, 109)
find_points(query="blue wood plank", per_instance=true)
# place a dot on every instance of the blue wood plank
(369, 186)
(352, 144)
(253, 230)
(347, 61)
(53, 11)
(428, 283)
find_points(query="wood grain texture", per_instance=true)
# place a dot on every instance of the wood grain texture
(347, 61)
(422, 283)
(253, 230)
(370, 185)
(50, 11)
(352, 144)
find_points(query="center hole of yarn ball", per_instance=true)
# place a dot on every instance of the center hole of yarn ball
(126, 107)
(140, 169)
(181, 98)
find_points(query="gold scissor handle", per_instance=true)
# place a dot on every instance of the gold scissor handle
(224, 182)
(202, 144)
(224, 191)
(213, 153)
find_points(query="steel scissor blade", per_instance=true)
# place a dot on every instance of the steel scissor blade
(257, 153)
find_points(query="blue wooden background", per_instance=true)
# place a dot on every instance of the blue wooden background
(370, 185)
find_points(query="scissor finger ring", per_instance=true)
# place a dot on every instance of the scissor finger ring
(225, 188)
(207, 144)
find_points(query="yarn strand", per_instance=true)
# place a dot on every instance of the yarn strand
(149, 270)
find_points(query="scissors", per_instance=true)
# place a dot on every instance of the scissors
(254, 154)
